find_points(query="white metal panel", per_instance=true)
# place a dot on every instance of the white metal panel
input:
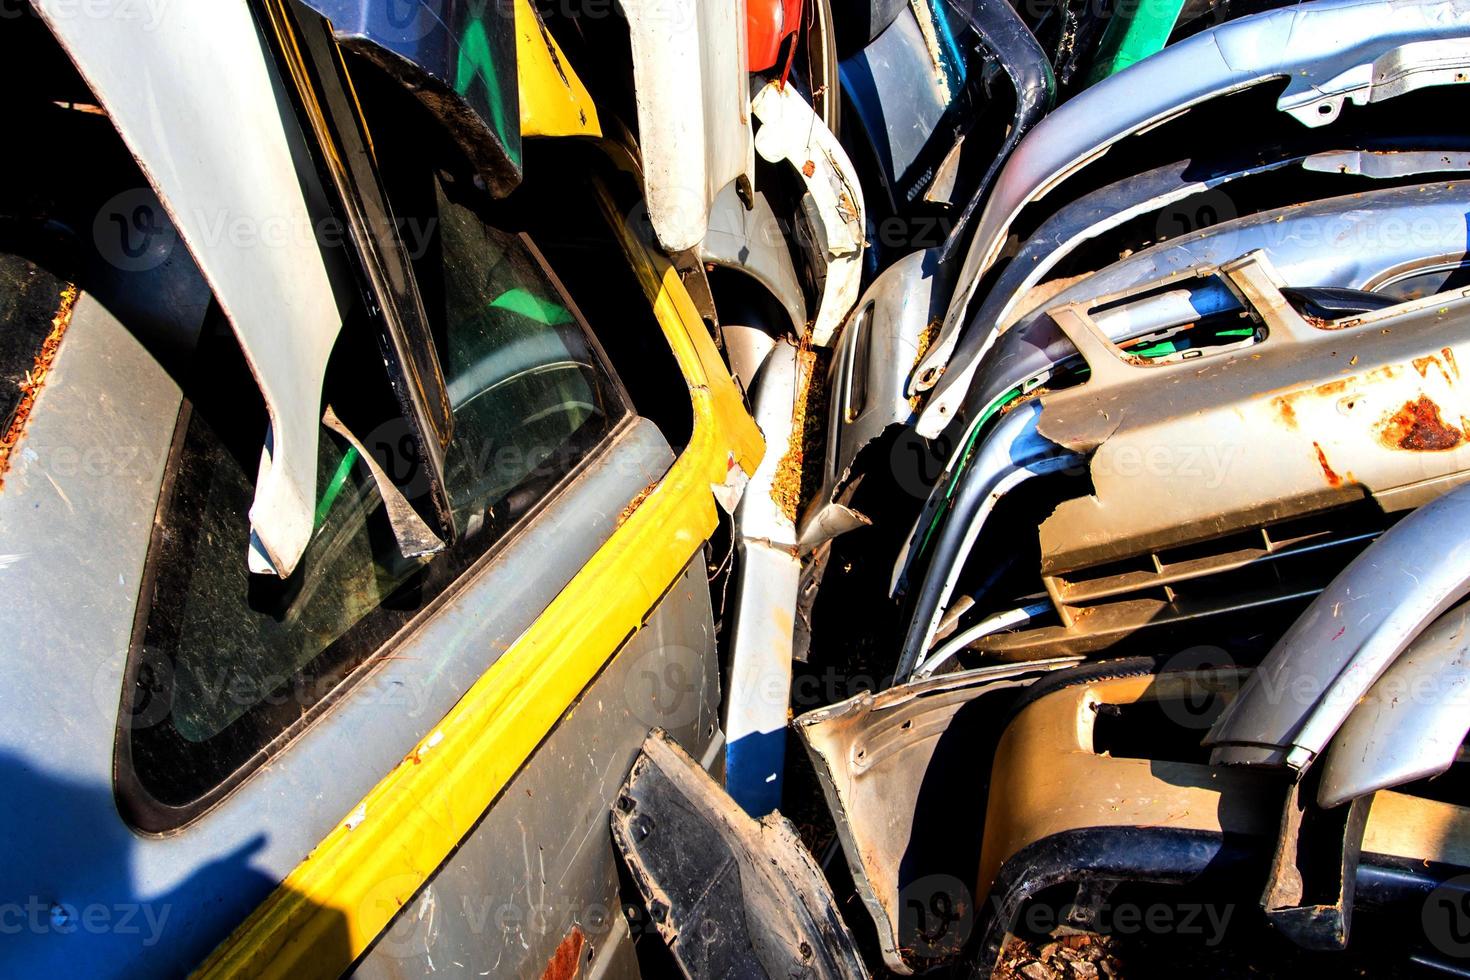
(191, 93)
(692, 88)
(790, 131)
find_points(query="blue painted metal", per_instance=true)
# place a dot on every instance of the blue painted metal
(458, 56)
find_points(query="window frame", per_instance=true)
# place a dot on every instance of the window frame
(147, 814)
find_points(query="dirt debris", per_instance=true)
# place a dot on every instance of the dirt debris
(35, 379)
(799, 474)
(1078, 957)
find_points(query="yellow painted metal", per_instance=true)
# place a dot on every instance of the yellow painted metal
(554, 102)
(346, 892)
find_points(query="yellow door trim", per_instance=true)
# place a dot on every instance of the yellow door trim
(346, 892)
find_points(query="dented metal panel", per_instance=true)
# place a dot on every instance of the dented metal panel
(766, 580)
(877, 757)
(1347, 638)
(694, 128)
(730, 896)
(1310, 417)
(275, 288)
(1315, 46)
(791, 132)
(1412, 722)
(1015, 293)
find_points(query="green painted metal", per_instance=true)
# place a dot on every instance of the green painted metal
(334, 488)
(476, 61)
(1138, 28)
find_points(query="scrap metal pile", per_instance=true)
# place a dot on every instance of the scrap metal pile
(1150, 431)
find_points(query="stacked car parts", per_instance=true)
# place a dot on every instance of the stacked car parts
(1195, 383)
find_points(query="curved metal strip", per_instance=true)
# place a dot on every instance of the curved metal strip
(1007, 39)
(1313, 45)
(791, 131)
(1316, 674)
(1112, 206)
(1413, 721)
(1015, 452)
(275, 289)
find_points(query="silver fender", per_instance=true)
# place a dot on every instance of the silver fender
(1315, 676)
(1411, 724)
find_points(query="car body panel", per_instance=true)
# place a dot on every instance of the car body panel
(545, 845)
(1347, 638)
(459, 59)
(765, 586)
(364, 870)
(1011, 298)
(731, 896)
(108, 402)
(1033, 347)
(1277, 408)
(872, 753)
(791, 132)
(1413, 720)
(192, 58)
(689, 78)
(750, 240)
(1007, 39)
(553, 100)
(768, 23)
(868, 381)
(1309, 44)
(1016, 451)
(1049, 750)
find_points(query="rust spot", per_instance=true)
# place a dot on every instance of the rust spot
(566, 962)
(1447, 367)
(809, 168)
(636, 502)
(1333, 480)
(1419, 427)
(926, 340)
(1287, 403)
(35, 379)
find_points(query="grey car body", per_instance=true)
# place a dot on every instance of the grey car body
(1326, 50)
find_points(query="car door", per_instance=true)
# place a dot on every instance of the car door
(396, 759)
